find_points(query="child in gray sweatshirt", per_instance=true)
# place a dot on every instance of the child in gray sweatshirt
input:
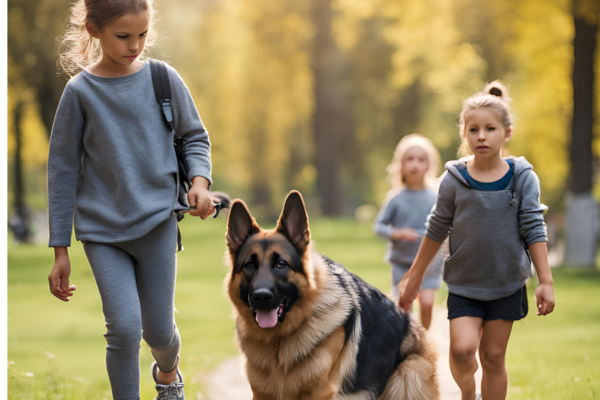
(112, 168)
(489, 207)
(401, 220)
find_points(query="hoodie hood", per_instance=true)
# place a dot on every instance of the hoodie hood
(520, 165)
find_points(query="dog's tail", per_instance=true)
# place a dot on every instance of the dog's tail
(416, 377)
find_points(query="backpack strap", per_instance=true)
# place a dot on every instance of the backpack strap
(162, 89)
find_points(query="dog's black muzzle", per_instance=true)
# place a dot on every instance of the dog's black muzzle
(264, 298)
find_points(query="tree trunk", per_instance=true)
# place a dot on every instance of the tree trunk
(583, 105)
(327, 64)
(48, 97)
(19, 221)
(406, 113)
(261, 190)
(582, 209)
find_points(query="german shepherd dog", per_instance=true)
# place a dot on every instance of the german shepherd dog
(308, 328)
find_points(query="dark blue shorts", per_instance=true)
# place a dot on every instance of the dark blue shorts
(511, 308)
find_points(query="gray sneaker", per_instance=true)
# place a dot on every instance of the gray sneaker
(174, 391)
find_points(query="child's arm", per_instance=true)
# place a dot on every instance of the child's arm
(59, 276)
(64, 158)
(412, 280)
(383, 227)
(188, 125)
(196, 145)
(544, 294)
(407, 234)
(533, 232)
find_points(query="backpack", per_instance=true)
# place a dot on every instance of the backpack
(162, 90)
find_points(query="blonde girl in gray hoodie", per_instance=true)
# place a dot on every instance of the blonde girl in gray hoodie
(413, 175)
(489, 207)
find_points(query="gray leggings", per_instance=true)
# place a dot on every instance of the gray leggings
(136, 280)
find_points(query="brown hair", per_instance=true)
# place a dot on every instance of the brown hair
(77, 48)
(495, 96)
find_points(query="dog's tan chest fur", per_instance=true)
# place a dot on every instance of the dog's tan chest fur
(313, 357)
(272, 377)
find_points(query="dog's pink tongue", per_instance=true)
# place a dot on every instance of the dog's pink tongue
(266, 318)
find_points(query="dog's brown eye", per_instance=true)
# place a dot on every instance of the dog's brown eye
(281, 264)
(249, 265)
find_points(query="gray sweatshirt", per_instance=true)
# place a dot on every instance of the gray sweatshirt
(407, 209)
(490, 232)
(111, 160)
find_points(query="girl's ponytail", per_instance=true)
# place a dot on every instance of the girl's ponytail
(78, 49)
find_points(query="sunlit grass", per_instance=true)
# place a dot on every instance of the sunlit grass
(558, 356)
(62, 348)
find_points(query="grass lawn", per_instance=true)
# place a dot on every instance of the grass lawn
(62, 348)
(558, 356)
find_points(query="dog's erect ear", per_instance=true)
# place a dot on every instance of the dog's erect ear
(293, 221)
(240, 225)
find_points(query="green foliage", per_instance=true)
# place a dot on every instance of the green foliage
(406, 69)
(540, 80)
(252, 84)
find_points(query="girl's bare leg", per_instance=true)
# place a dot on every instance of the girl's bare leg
(464, 339)
(426, 300)
(492, 351)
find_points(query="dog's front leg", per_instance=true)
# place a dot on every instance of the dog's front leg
(328, 355)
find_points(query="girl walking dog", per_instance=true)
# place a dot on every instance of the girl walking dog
(489, 206)
(112, 165)
(402, 218)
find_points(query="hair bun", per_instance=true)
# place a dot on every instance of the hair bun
(496, 88)
(496, 91)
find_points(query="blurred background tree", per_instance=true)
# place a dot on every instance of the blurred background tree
(34, 90)
(315, 95)
(582, 208)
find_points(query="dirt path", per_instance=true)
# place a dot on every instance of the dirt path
(228, 381)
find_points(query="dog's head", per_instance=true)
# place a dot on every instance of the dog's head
(268, 266)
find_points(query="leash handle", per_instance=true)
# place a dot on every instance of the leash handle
(218, 206)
